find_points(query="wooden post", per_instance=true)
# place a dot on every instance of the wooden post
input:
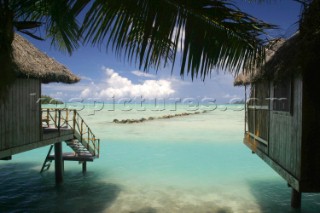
(59, 117)
(245, 109)
(48, 117)
(58, 162)
(74, 119)
(67, 117)
(55, 118)
(295, 199)
(84, 167)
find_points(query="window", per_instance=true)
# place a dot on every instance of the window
(282, 97)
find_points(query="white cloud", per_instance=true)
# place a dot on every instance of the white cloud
(143, 74)
(85, 93)
(111, 83)
(115, 85)
(230, 96)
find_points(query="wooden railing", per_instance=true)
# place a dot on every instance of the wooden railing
(71, 119)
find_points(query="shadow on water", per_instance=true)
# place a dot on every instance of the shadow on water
(275, 196)
(23, 189)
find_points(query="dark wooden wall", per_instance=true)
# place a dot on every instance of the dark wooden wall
(281, 131)
(20, 115)
(286, 132)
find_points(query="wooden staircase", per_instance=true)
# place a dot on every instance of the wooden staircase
(85, 145)
(79, 149)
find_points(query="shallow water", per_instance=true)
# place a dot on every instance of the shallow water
(195, 163)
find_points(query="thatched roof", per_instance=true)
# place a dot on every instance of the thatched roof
(242, 80)
(283, 64)
(249, 76)
(30, 62)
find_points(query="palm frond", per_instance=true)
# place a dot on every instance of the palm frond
(57, 16)
(217, 33)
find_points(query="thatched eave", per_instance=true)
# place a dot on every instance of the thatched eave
(30, 62)
(285, 62)
(242, 80)
(280, 56)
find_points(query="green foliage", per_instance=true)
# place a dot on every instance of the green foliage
(57, 18)
(45, 99)
(213, 34)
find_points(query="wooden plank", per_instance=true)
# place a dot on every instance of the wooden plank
(20, 112)
(297, 124)
(9, 120)
(38, 114)
(259, 139)
(33, 113)
(16, 103)
(29, 112)
(21, 117)
(264, 107)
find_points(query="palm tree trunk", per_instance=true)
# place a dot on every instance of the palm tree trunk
(7, 75)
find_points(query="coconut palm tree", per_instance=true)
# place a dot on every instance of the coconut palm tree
(204, 34)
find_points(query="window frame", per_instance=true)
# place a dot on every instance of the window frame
(288, 110)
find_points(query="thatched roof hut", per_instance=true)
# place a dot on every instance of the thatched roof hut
(30, 62)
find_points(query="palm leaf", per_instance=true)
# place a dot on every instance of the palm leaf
(58, 18)
(217, 34)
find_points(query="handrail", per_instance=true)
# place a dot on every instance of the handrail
(71, 119)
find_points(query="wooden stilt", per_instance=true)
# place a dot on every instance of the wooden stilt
(295, 199)
(84, 167)
(58, 162)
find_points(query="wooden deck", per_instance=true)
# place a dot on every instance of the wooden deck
(55, 133)
(49, 136)
(58, 125)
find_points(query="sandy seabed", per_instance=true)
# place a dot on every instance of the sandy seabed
(172, 200)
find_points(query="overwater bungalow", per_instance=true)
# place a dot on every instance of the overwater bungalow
(282, 116)
(24, 125)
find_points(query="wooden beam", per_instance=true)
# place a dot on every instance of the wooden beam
(258, 138)
(84, 166)
(265, 107)
(58, 162)
(295, 199)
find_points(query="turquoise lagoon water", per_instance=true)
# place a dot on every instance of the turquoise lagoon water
(195, 163)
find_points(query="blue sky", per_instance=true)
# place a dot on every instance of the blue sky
(104, 75)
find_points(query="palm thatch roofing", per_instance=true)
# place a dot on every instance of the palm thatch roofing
(30, 62)
(242, 80)
(284, 62)
(278, 56)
